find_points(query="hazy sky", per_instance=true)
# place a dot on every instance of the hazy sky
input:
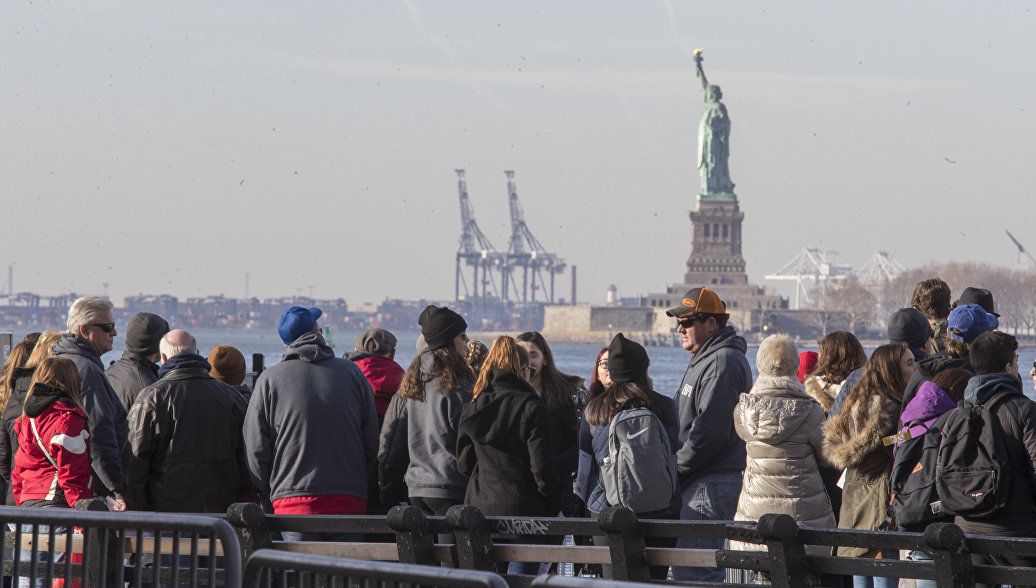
(176, 146)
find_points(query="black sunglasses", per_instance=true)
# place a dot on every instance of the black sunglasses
(106, 327)
(689, 321)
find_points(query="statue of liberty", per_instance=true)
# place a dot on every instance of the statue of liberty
(713, 139)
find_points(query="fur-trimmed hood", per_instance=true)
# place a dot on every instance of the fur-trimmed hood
(849, 437)
(822, 391)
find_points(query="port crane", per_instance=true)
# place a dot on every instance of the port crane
(475, 251)
(526, 252)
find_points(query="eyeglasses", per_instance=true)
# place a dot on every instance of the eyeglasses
(106, 327)
(603, 364)
(688, 322)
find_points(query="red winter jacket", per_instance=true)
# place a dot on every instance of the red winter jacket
(62, 429)
(384, 376)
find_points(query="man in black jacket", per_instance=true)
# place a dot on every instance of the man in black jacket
(994, 357)
(136, 369)
(195, 461)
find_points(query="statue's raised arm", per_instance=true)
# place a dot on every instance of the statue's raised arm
(701, 72)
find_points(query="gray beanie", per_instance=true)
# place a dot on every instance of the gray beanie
(143, 333)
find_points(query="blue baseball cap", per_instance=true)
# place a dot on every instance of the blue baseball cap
(296, 322)
(970, 320)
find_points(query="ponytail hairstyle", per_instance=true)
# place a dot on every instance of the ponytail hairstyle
(556, 389)
(448, 366)
(60, 373)
(506, 354)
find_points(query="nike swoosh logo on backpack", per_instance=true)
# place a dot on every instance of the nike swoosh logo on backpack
(637, 434)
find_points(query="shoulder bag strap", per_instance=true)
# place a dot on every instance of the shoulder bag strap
(40, 442)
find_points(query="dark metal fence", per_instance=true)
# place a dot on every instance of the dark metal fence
(268, 568)
(91, 547)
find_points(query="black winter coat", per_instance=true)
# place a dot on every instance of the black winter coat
(20, 381)
(185, 451)
(393, 454)
(131, 374)
(504, 445)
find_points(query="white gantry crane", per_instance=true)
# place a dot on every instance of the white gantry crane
(811, 267)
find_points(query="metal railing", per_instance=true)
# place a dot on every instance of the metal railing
(89, 546)
(268, 568)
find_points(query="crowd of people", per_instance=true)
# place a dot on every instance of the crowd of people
(833, 438)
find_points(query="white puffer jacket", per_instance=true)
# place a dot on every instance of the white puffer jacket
(781, 427)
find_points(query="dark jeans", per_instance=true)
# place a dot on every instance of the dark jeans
(712, 497)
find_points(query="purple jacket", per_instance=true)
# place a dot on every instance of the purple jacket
(929, 402)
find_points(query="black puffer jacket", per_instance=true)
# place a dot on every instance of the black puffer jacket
(504, 444)
(185, 451)
(20, 381)
(131, 374)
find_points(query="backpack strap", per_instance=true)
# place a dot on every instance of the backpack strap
(911, 432)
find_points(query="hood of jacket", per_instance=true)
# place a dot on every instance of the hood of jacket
(848, 440)
(982, 388)
(184, 361)
(310, 347)
(724, 338)
(934, 364)
(929, 402)
(775, 408)
(43, 396)
(493, 412)
(72, 344)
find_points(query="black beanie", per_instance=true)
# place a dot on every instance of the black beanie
(627, 360)
(143, 333)
(910, 326)
(440, 325)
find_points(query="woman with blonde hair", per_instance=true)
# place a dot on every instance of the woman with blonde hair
(503, 443)
(852, 441)
(19, 380)
(52, 466)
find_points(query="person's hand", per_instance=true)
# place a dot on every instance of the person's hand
(115, 503)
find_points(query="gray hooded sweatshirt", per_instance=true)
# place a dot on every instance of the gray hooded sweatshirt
(712, 385)
(311, 428)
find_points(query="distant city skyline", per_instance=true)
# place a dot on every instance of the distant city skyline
(178, 147)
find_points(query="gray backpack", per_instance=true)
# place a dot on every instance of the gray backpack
(640, 469)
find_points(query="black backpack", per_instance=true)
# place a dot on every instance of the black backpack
(915, 499)
(974, 473)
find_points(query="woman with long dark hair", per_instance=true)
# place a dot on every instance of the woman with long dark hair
(838, 355)
(565, 398)
(852, 441)
(437, 385)
(630, 387)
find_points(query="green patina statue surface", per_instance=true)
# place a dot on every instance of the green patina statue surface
(713, 142)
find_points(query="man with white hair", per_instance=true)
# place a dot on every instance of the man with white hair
(193, 461)
(91, 330)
